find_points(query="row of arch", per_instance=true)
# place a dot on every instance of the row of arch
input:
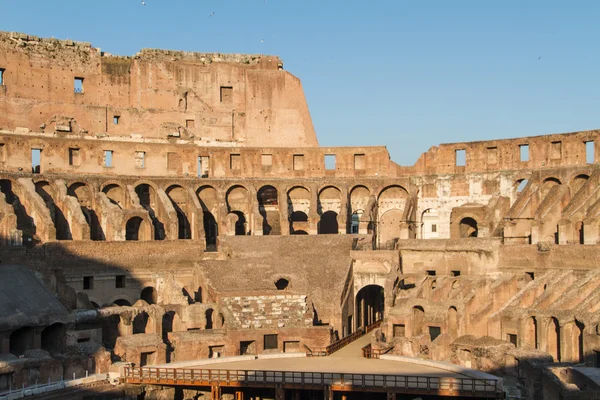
(52, 339)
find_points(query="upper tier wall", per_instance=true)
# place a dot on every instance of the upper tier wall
(246, 99)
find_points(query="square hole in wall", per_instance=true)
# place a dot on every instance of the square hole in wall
(298, 162)
(247, 347)
(120, 281)
(88, 282)
(359, 161)
(2, 70)
(36, 161)
(460, 157)
(456, 273)
(524, 152)
(108, 158)
(203, 166)
(74, 157)
(589, 152)
(190, 123)
(433, 228)
(556, 150)
(140, 159)
(266, 160)
(399, 330)
(512, 338)
(235, 161)
(116, 119)
(492, 155)
(78, 85)
(434, 332)
(270, 342)
(330, 162)
(226, 94)
(431, 272)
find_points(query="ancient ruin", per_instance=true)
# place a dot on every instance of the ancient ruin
(171, 207)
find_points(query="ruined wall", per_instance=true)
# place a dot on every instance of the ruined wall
(244, 99)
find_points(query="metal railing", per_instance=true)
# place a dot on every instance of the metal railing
(335, 346)
(340, 381)
(370, 352)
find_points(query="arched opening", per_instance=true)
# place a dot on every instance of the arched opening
(122, 303)
(391, 204)
(298, 223)
(110, 330)
(453, 322)
(553, 339)
(520, 185)
(210, 230)
(238, 204)
(430, 220)
(53, 338)
(282, 284)
(240, 223)
(268, 207)
(25, 223)
(47, 193)
(167, 325)
(178, 197)
(209, 318)
(140, 322)
(359, 201)
(198, 295)
(149, 201)
(132, 228)
(468, 228)
(328, 223)
(149, 295)
(84, 196)
(115, 194)
(531, 332)
(21, 340)
(418, 316)
(369, 305)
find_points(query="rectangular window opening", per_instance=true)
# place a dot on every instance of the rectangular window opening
(36, 161)
(531, 275)
(120, 281)
(524, 152)
(226, 94)
(456, 273)
(235, 161)
(556, 150)
(270, 342)
(431, 272)
(461, 157)
(492, 155)
(78, 85)
(202, 166)
(2, 76)
(116, 119)
(266, 160)
(359, 161)
(88, 282)
(74, 157)
(399, 330)
(589, 152)
(190, 123)
(330, 162)
(433, 228)
(247, 347)
(512, 338)
(83, 340)
(434, 332)
(140, 159)
(298, 162)
(108, 158)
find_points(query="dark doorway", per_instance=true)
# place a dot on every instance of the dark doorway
(328, 224)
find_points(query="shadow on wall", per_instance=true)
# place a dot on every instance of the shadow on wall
(64, 323)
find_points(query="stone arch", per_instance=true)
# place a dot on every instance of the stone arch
(298, 202)
(53, 338)
(21, 340)
(25, 223)
(578, 182)
(115, 194)
(140, 322)
(520, 185)
(179, 199)
(430, 220)
(238, 206)
(149, 295)
(268, 207)
(137, 229)
(148, 198)
(468, 227)
(418, 314)
(391, 204)
(209, 198)
(48, 193)
(453, 325)
(370, 304)
(359, 201)
(83, 194)
(329, 206)
(122, 303)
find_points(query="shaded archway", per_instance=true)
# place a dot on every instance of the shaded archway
(149, 295)
(418, 317)
(453, 322)
(179, 201)
(238, 222)
(115, 194)
(209, 318)
(149, 201)
(238, 204)
(268, 207)
(53, 338)
(122, 303)
(25, 223)
(298, 209)
(298, 223)
(369, 305)
(210, 230)
(140, 322)
(468, 228)
(21, 340)
(48, 194)
(83, 194)
(391, 205)
(133, 229)
(430, 220)
(328, 223)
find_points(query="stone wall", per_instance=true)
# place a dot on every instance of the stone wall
(277, 311)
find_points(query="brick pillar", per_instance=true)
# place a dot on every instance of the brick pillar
(284, 218)
(343, 215)
(313, 215)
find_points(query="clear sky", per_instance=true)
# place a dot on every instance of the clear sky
(404, 74)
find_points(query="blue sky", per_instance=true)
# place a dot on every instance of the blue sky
(404, 74)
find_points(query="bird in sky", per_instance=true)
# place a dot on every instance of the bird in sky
(213, 14)
(143, 3)
(262, 40)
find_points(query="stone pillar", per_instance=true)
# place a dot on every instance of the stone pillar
(343, 215)
(284, 218)
(222, 213)
(195, 216)
(313, 215)
(591, 231)
(565, 230)
(255, 219)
